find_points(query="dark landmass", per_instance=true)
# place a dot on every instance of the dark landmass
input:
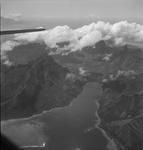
(42, 83)
(104, 59)
(121, 110)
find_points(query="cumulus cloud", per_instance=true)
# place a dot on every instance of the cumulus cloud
(7, 46)
(90, 39)
(119, 34)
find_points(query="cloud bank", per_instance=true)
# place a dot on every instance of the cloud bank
(118, 34)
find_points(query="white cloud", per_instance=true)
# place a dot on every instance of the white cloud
(90, 39)
(7, 46)
(119, 33)
(82, 71)
(107, 57)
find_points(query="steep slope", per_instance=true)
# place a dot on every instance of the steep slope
(39, 85)
(121, 110)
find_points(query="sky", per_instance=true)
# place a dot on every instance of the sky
(72, 8)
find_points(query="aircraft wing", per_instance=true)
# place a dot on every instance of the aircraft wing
(5, 32)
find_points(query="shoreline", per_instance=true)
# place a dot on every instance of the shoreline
(85, 101)
(111, 145)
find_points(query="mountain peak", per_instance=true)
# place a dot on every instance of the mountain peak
(101, 44)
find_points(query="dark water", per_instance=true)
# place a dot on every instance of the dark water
(71, 132)
(66, 128)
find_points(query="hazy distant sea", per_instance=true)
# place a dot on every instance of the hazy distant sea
(51, 23)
